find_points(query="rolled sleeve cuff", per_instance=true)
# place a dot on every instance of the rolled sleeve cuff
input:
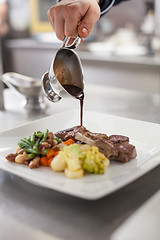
(106, 5)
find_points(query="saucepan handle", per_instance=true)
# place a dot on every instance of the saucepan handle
(75, 43)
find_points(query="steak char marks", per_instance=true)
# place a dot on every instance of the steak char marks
(115, 147)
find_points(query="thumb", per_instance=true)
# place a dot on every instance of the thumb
(88, 21)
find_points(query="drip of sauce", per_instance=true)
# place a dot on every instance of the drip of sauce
(79, 94)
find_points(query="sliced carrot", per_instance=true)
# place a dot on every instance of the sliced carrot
(69, 142)
(50, 160)
(52, 152)
(56, 153)
(44, 161)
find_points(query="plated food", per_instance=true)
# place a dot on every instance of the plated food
(143, 135)
(74, 151)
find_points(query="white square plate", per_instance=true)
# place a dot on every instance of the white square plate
(144, 135)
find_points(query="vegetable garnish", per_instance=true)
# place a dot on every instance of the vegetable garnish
(44, 136)
(44, 161)
(52, 152)
(69, 142)
(31, 144)
(80, 158)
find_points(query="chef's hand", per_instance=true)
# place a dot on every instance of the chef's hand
(67, 14)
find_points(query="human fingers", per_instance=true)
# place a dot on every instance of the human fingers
(82, 14)
(51, 16)
(64, 18)
(72, 18)
(57, 21)
(88, 21)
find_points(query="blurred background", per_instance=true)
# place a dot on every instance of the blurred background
(122, 50)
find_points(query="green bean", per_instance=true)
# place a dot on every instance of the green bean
(32, 155)
(33, 138)
(36, 145)
(46, 151)
(39, 134)
(31, 145)
(44, 136)
(24, 140)
(28, 150)
(23, 144)
(29, 139)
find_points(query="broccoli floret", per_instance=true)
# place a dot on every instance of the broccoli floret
(94, 161)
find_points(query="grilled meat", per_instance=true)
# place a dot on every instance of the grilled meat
(99, 140)
(118, 139)
(115, 147)
(69, 133)
(126, 151)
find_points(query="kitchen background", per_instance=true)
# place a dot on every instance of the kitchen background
(122, 50)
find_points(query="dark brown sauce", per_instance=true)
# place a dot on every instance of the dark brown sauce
(79, 94)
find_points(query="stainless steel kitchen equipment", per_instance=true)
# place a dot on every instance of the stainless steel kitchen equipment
(1, 84)
(29, 87)
(65, 69)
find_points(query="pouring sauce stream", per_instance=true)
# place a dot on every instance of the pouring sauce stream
(79, 94)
